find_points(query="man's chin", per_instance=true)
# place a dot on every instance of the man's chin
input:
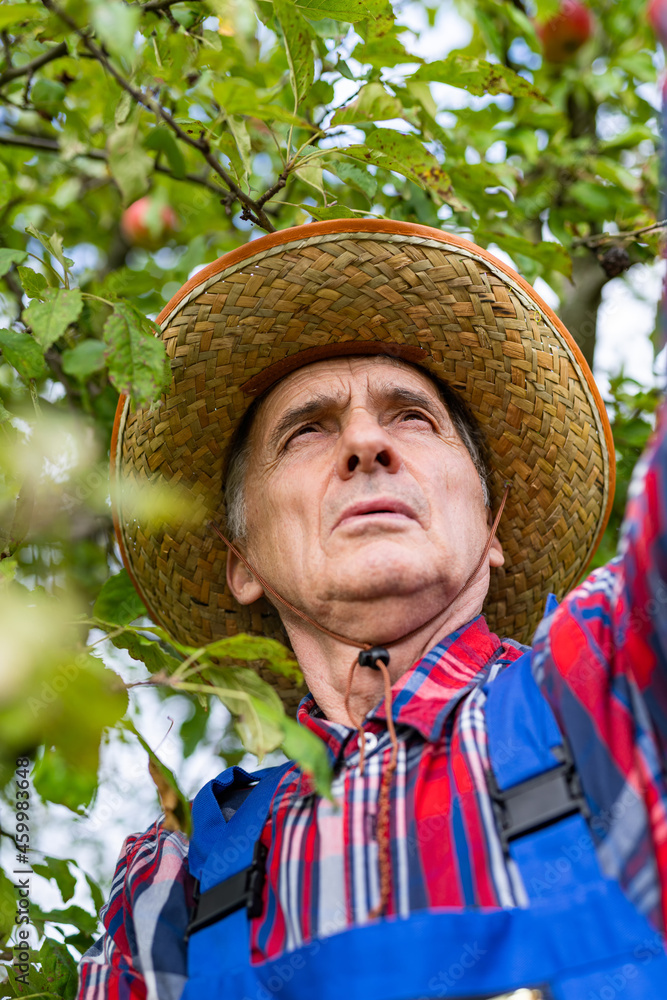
(381, 570)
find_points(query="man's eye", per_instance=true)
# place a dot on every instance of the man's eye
(415, 415)
(307, 429)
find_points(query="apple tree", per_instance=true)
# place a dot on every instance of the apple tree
(140, 140)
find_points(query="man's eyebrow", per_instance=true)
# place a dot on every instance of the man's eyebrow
(413, 397)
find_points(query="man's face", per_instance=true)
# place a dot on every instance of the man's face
(361, 498)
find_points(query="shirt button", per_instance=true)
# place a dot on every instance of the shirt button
(370, 741)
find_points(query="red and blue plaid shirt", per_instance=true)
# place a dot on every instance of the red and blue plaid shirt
(601, 660)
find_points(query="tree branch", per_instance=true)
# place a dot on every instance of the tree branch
(595, 241)
(45, 145)
(29, 68)
(275, 188)
(158, 5)
(250, 209)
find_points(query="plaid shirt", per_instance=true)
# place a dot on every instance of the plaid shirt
(601, 660)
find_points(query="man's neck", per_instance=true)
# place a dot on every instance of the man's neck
(326, 662)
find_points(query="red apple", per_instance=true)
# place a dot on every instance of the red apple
(566, 32)
(657, 15)
(147, 224)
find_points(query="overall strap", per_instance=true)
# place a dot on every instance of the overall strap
(536, 793)
(227, 857)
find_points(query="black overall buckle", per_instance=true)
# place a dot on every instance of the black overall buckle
(243, 889)
(537, 802)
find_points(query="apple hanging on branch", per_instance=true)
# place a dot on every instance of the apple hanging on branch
(564, 34)
(148, 223)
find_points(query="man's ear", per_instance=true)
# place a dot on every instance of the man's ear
(496, 554)
(241, 582)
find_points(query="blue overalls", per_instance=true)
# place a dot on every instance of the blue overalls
(582, 940)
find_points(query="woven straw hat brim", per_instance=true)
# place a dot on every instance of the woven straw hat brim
(362, 286)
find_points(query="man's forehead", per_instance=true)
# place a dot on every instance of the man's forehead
(334, 377)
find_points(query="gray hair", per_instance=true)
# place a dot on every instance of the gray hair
(464, 422)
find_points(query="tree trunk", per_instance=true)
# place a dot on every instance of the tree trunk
(580, 302)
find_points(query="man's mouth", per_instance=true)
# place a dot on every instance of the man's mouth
(378, 507)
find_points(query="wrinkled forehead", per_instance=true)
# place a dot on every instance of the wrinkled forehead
(337, 379)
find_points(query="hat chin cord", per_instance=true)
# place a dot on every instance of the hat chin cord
(376, 658)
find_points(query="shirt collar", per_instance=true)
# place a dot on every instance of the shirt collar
(424, 695)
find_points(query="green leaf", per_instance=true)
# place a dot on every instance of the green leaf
(357, 178)
(48, 95)
(53, 244)
(70, 719)
(116, 24)
(238, 97)
(239, 130)
(95, 892)
(49, 319)
(129, 164)
(7, 908)
(249, 647)
(162, 139)
(57, 964)
(605, 167)
(478, 76)
(255, 705)
(118, 603)
(14, 14)
(330, 212)
(136, 358)
(405, 154)
(299, 46)
(342, 10)
(123, 108)
(311, 174)
(84, 360)
(630, 137)
(9, 257)
(193, 730)
(551, 256)
(546, 9)
(37, 983)
(263, 726)
(74, 915)
(23, 352)
(227, 145)
(58, 870)
(303, 746)
(595, 198)
(372, 104)
(147, 651)
(639, 65)
(33, 282)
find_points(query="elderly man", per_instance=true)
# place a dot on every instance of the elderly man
(498, 815)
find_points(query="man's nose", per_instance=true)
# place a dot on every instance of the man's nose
(364, 446)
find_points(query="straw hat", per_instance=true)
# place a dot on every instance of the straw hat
(363, 287)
